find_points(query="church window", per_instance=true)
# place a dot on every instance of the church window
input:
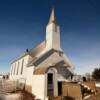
(14, 69)
(60, 54)
(17, 68)
(22, 66)
(11, 69)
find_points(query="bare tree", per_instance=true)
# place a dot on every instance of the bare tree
(96, 74)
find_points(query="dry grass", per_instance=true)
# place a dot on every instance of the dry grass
(95, 97)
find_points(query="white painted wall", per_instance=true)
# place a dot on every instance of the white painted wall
(23, 75)
(29, 75)
(98, 84)
(39, 86)
(53, 36)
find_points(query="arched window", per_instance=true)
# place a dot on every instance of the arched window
(22, 66)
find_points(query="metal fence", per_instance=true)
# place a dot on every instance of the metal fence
(7, 86)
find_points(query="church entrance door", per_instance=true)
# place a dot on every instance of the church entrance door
(50, 86)
(59, 88)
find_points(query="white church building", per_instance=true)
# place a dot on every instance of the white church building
(44, 67)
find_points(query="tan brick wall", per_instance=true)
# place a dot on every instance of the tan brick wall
(28, 88)
(72, 90)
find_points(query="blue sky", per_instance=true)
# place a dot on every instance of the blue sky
(23, 22)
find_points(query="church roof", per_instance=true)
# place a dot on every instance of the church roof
(44, 69)
(33, 52)
(40, 59)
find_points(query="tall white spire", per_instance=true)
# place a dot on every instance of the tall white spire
(53, 33)
(52, 17)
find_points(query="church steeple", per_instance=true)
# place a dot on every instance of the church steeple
(53, 33)
(52, 17)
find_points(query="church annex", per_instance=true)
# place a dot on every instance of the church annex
(43, 69)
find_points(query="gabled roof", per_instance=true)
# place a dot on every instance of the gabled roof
(40, 59)
(44, 69)
(34, 51)
(43, 57)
